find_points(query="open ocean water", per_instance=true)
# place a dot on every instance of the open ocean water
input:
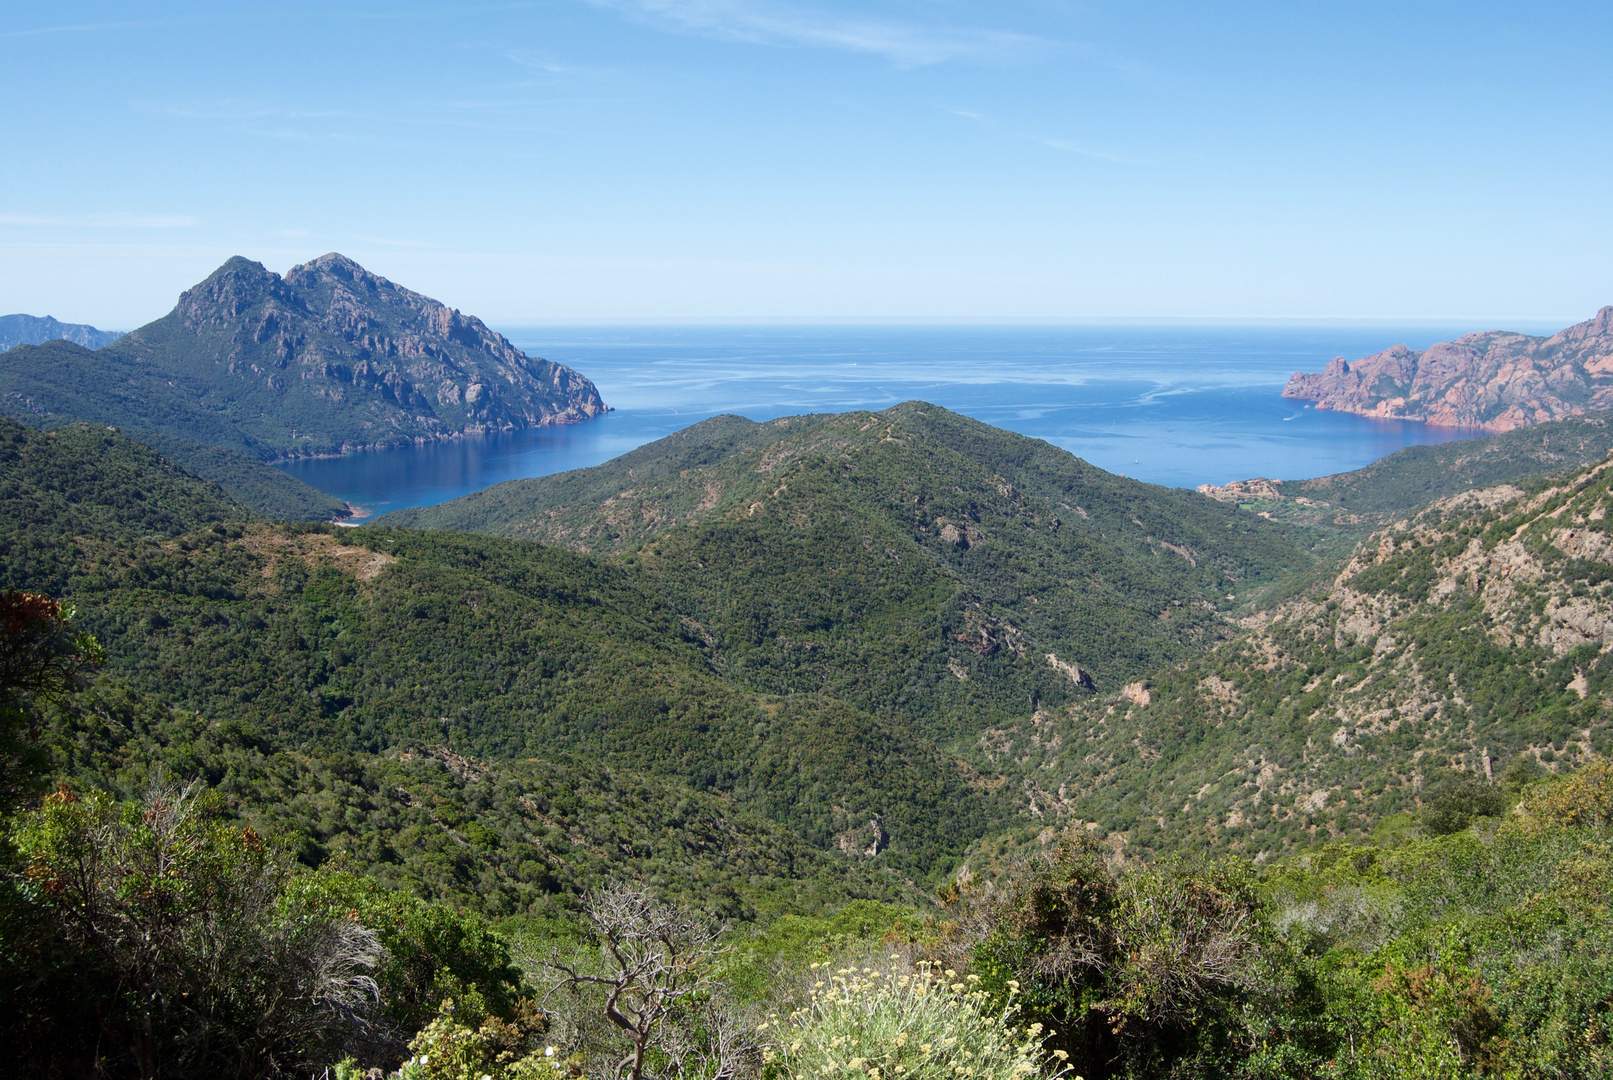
(1172, 403)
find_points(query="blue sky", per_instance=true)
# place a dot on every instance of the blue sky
(600, 160)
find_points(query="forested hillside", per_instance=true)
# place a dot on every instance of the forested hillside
(1462, 646)
(265, 490)
(61, 487)
(502, 837)
(798, 694)
(912, 560)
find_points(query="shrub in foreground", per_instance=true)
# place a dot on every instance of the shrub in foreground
(156, 943)
(884, 1023)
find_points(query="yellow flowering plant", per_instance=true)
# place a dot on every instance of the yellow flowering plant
(889, 1022)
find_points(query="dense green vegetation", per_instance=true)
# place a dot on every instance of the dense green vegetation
(911, 560)
(1482, 953)
(350, 797)
(59, 381)
(93, 386)
(61, 487)
(500, 838)
(263, 489)
(502, 650)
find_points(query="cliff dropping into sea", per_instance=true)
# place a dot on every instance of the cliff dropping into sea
(1496, 380)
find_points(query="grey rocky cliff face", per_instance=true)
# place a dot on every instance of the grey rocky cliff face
(354, 360)
(1495, 381)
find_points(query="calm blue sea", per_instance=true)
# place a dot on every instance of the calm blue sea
(1171, 403)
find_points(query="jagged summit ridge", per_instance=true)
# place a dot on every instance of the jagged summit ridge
(395, 365)
(1494, 380)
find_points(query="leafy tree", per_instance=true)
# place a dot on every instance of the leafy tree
(431, 952)
(160, 946)
(1455, 801)
(41, 655)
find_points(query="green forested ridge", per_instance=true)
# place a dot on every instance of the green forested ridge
(501, 650)
(62, 486)
(326, 358)
(263, 489)
(108, 389)
(59, 381)
(497, 837)
(913, 559)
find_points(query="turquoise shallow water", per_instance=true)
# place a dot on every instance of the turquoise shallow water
(1179, 404)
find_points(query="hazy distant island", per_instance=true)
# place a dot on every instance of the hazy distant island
(1495, 381)
(38, 329)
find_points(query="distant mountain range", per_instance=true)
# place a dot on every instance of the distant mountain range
(328, 358)
(36, 329)
(1497, 380)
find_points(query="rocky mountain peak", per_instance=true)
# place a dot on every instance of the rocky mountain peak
(334, 357)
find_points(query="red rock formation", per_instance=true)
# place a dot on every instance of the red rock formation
(1495, 380)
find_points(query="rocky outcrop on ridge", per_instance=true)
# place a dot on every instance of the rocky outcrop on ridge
(1474, 636)
(1494, 381)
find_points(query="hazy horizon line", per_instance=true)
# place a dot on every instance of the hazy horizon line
(1482, 322)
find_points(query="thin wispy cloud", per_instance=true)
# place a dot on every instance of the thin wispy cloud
(82, 28)
(769, 22)
(234, 109)
(103, 221)
(386, 241)
(1066, 146)
(1069, 147)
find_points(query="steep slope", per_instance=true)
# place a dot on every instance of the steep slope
(34, 329)
(1475, 638)
(76, 382)
(500, 837)
(328, 358)
(1494, 380)
(62, 487)
(265, 490)
(912, 560)
(383, 638)
(1409, 479)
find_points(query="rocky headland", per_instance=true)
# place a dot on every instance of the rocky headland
(327, 359)
(1492, 381)
(403, 366)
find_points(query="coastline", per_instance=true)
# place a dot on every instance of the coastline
(558, 420)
